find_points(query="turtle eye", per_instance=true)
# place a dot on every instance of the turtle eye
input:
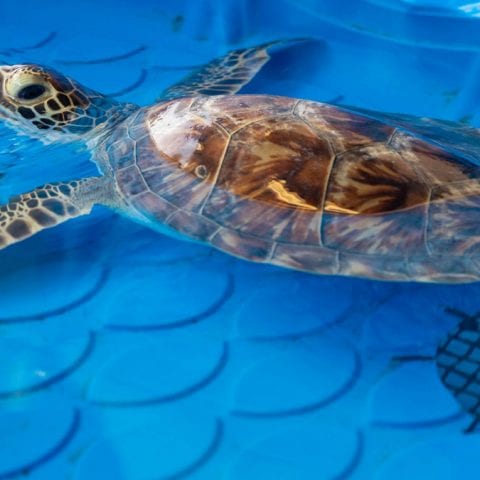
(31, 92)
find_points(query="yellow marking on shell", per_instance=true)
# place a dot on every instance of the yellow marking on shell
(278, 187)
(268, 152)
(334, 208)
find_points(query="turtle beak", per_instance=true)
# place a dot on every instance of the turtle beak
(4, 69)
(3, 74)
(5, 113)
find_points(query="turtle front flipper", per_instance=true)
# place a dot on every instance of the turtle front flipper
(50, 205)
(225, 75)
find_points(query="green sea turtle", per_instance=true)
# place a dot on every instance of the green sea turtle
(296, 183)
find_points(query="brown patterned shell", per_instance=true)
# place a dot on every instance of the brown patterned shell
(304, 185)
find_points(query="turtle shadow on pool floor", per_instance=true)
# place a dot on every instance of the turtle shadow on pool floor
(457, 359)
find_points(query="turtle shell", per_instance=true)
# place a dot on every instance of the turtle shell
(307, 185)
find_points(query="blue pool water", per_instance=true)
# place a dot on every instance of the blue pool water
(128, 355)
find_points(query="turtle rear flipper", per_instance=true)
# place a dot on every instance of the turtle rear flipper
(49, 205)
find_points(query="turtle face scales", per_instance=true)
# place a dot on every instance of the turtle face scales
(43, 103)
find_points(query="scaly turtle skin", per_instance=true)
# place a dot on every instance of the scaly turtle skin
(295, 183)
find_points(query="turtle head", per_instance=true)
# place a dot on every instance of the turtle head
(45, 104)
